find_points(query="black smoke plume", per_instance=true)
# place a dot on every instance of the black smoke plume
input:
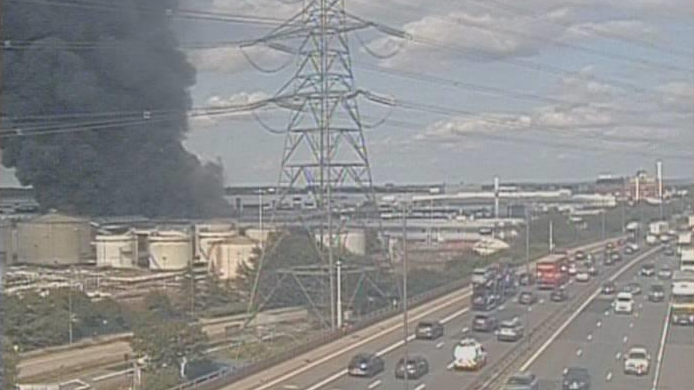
(98, 56)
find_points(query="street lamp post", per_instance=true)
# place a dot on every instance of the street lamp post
(404, 292)
(338, 264)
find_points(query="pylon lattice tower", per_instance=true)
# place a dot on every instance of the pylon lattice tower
(325, 149)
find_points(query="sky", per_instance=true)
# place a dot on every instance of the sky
(553, 90)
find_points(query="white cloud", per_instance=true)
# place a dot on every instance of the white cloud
(205, 120)
(232, 59)
(632, 30)
(676, 96)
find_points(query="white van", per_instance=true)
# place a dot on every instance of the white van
(624, 303)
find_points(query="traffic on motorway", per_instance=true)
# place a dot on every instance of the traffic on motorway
(572, 321)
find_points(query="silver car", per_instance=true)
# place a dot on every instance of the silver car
(522, 381)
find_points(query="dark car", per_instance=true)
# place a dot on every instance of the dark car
(484, 323)
(576, 379)
(608, 288)
(527, 298)
(558, 295)
(656, 293)
(647, 270)
(522, 381)
(526, 279)
(416, 367)
(429, 330)
(633, 288)
(365, 365)
(580, 255)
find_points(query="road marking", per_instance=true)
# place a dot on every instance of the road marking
(455, 315)
(583, 306)
(661, 348)
(366, 340)
(609, 376)
(530, 308)
(112, 375)
(420, 387)
(502, 307)
(631, 325)
(590, 337)
(636, 314)
(579, 352)
(450, 365)
(607, 313)
(599, 324)
(542, 301)
(439, 345)
(640, 305)
(374, 384)
(465, 330)
(618, 356)
(291, 387)
(625, 339)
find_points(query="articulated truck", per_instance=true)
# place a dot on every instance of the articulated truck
(682, 298)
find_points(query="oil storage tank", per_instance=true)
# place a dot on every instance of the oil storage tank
(206, 239)
(226, 255)
(116, 250)
(169, 250)
(54, 239)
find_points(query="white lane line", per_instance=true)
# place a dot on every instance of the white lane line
(358, 344)
(625, 339)
(599, 324)
(420, 387)
(579, 352)
(631, 325)
(291, 387)
(374, 384)
(439, 345)
(618, 356)
(542, 301)
(590, 337)
(583, 306)
(450, 365)
(455, 315)
(607, 313)
(636, 314)
(502, 307)
(609, 376)
(465, 330)
(661, 348)
(111, 375)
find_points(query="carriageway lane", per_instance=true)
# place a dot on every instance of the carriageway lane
(677, 371)
(325, 365)
(598, 338)
(440, 356)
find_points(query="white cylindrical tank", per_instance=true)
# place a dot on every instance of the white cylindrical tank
(169, 250)
(205, 240)
(54, 239)
(116, 251)
(354, 241)
(226, 255)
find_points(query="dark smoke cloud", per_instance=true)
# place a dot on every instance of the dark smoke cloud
(135, 66)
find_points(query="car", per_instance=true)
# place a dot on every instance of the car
(665, 273)
(526, 279)
(572, 270)
(608, 261)
(634, 288)
(637, 361)
(365, 365)
(669, 251)
(575, 378)
(558, 295)
(624, 303)
(527, 298)
(416, 367)
(484, 323)
(469, 355)
(510, 330)
(580, 255)
(593, 270)
(608, 288)
(656, 293)
(522, 381)
(583, 276)
(429, 330)
(647, 270)
(616, 257)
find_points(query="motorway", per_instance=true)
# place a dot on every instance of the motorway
(327, 369)
(592, 337)
(598, 339)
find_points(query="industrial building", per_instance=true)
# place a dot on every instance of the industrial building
(226, 255)
(51, 240)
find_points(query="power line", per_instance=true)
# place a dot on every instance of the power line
(524, 64)
(537, 38)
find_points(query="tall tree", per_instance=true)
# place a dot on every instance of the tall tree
(10, 361)
(167, 342)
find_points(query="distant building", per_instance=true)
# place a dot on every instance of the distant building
(610, 185)
(641, 187)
